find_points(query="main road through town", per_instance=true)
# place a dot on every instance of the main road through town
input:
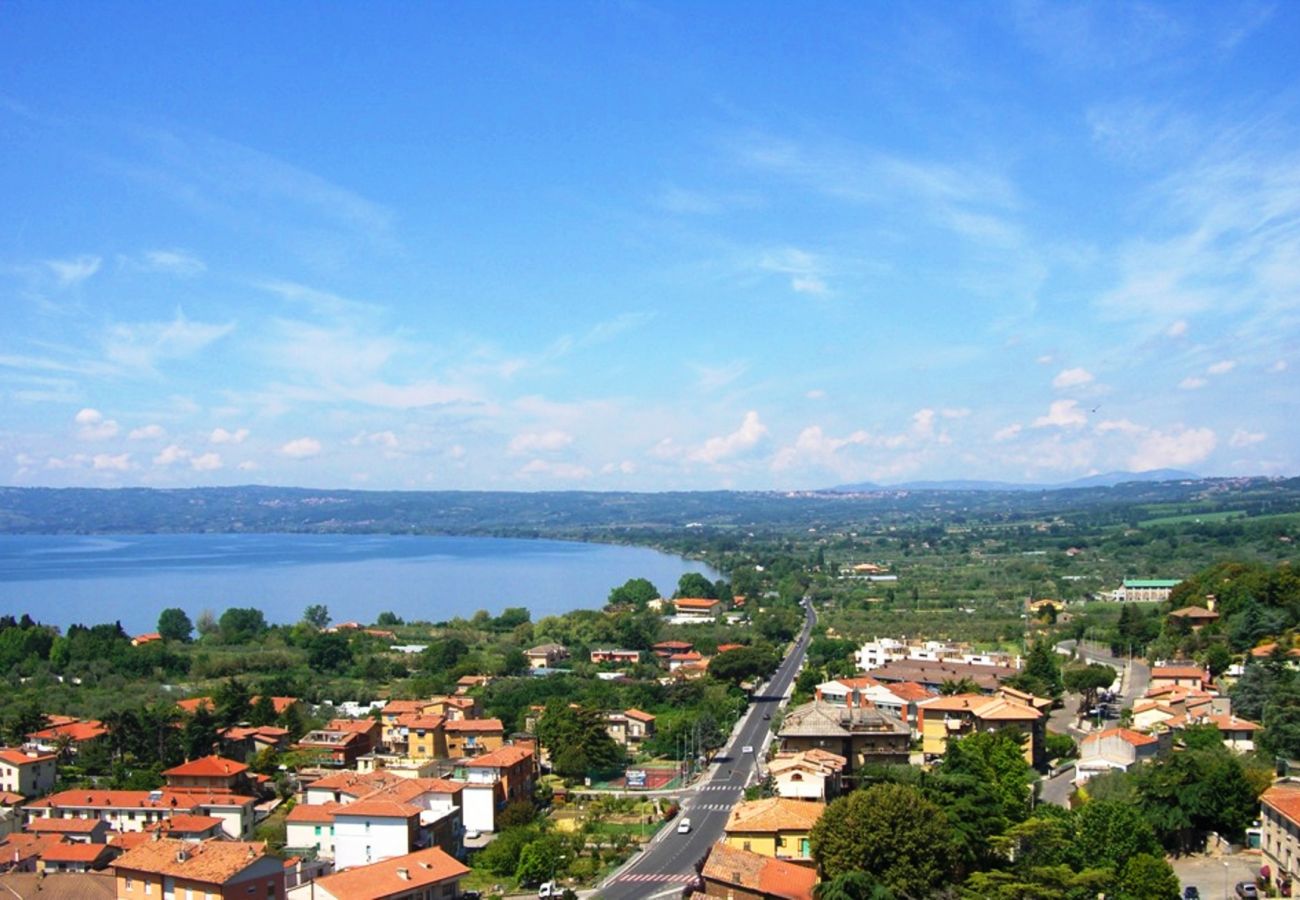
(669, 861)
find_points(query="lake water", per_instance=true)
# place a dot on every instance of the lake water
(62, 579)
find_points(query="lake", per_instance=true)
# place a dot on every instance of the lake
(62, 579)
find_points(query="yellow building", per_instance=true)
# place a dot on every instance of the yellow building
(947, 718)
(774, 827)
(472, 737)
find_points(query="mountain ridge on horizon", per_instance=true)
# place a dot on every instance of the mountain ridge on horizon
(1102, 479)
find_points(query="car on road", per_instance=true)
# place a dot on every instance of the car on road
(748, 748)
(684, 826)
(548, 889)
(1246, 890)
(1191, 892)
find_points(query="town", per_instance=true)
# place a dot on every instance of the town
(706, 742)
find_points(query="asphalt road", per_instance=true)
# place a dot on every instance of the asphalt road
(669, 862)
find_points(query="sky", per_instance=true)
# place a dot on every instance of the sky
(646, 246)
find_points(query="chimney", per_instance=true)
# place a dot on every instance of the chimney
(181, 855)
(1210, 602)
(404, 874)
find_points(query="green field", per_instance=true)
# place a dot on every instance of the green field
(1222, 516)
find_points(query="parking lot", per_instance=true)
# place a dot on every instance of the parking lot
(1210, 875)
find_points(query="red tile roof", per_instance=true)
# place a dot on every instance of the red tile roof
(754, 872)
(43, 825)
(78, 732)
(21, 758)
(207, 767)
(422, 869)
(639, 715)
(210, 862)
(1136, 738)
(68, 852)
(696, 603)
(385, 809)
(1285, 798)
(475, 725)
(502, 758)
(314, 813)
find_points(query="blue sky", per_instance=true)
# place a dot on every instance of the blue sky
(646, 246)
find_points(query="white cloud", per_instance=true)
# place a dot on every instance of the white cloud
(222, 436)
(1122, 426)
(105, 462)
(626, 467)
(1180, 447)
(385, 439)
(143, 345)
(1177, 328)
(207, 462)
(1243, 438)
(542, 442)
(1006, 434)
(807, 284)
(147, 433)
(816, 394)
(815, 447)
(561, 470)
(173, 453)
(746, 437)
(923, 423)
(175, 262)
(1062, 414)
(73, 271)
(94, 427)
(959, 412)
(1223, 367)
(1045, 360)
(804, 269)
(301, 448)
(1192, 382)
(1068, 378)
(1279, 366)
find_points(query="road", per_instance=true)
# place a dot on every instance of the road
(669, 861)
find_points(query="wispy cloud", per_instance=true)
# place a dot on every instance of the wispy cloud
(725, 447)
(147, 433)
(69, 272)
(222, 436)
(540, 442)
(141, 346)
(301, 448)
(1062, 414)
(1069, 378)
(169, 262)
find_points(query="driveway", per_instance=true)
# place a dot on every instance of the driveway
(1212, 873)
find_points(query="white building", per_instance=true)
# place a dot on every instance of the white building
(882, 651)
(27, 772)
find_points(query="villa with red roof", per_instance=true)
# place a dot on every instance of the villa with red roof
(137, 810)
(27, 772)
(174, 868)
(425, 873)
(76, 732)
(212, 774)
(733, 872)
(1116, 748)
(698, 608)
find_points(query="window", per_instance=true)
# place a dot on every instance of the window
(148, 886)
(130, 885)
(318, 831)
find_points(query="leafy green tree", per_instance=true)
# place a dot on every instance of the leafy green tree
(1042, 672)
(389, 619)
(199, 734)
(513, 662)
(1282, 715)
(1108, 833)
(263, 711)
(890, 830)
(511, 617)
(693, 584)
(501, 857)
(1193, 793)
(317, 616)
(1218, 658)
(329, 651)
(744, 664)
(634, 593)
(233, 702)
(241, 625)
(175, 625)
(578, 742)
(443, 655)
(852, 886)
(1089, 680)
(1148, 877)
(541, 860)
(952, 686)
(996, 759)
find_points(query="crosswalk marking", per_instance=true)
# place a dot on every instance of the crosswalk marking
(719, 787)
(709, 807)
(661, 877)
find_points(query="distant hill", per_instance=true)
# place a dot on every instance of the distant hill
(1106, 479)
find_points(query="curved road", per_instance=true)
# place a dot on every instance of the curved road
(669, 860)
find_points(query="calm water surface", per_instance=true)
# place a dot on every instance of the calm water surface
(62, 579)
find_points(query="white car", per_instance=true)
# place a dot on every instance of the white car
(548, 889)
(684, 826)
(748, 748)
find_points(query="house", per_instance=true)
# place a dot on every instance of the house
(168, 868)
(932, 674)
(71, 886)
(640, 726)
(545, 656)
(342, 741)
(1238, 734)
(141, 639)
(413, 876)
(470, 737)
(702, 609)
(246, 740)
(732, 873)
(452, 708)
(862, 735)
(310, 826)
(1115, 748)
(467, 683)
(493, 780)
(211, 774)
(880, 652)
(79, 831)
(899, 699)
(946, 718)
(74, 733)
(618, 657)
(137, 810)
(774, 827)
(1279, 840)
(1190, 676)
(665, 649)
(68, 856)
(807, 774)
(1145, 590)
(1194, 617)
(373, 829)
(190, 828)
(344, 787)
(27, 772)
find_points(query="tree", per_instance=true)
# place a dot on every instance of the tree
(693, 584)
(241, 625)
(1109, 833)
(951, 686)
(996, 759)
(233, 702)
(578, 742)
(744, 664)
(263, 711)
(442, 656)
(317, 616)
(852, 886)
(1042, 672)
(174, 625)
(329, 651)
(388, 619)
(199, 735)
(890, 830)
(1282, 714)
(1148, 877)
(1088, 680)
(634, 593)
(541, 860)
(513, 662)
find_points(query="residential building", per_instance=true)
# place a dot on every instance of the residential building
(775, 827)
(545, 656)
(67, 856)
(880, 652)
(1238, 734)
(1145, 590)
(48, 886)
(62, 730)
(704, 609)
(168, 868)
(136, 810)
(862, 735)
(27, 772)
(932, 674)
(807, 774)
(618, 657)
(422, 875)
(470, 737)
(370, 830)
(342, 741)
(640, 726)
(344, 787)
(78, 831)
(1175, 675)
(492, 781)
(418, 736)
(946, 718)
(243, 741)
(310, 826)
(665, 649)
(190, 828)
(1195, 617)
(1279, 840)
(148, 638)
(899, 698)
(736, 874)
(1115, 748)
(688, 658)
(211, 774)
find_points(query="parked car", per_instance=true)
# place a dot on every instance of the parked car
(1191, 893)
(748, 748)
(1246, 890)
(549, 889)
(684, 826)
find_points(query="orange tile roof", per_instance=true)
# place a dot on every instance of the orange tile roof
(125, 840)
(502, 758)
(187, 823)
(724, 648)
(9, 798)
(402, 707)
(67, 852)
(753, 872)
(982, 707)
(356, 726)
(696, 602)
(639, 715)
(774, 814)
(354, 783)
(210, 862)
(475, 725)
(21, 758)
(424, 868)
(314, 813)
(417, 720)
(387, 809)
(168, 799)
(1177, 672)
(43, 825)
(147, 638)
(207, 767)
(1136, 738)
(1285, 798)
(78, 732)
(910, 691)
(191, 704)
